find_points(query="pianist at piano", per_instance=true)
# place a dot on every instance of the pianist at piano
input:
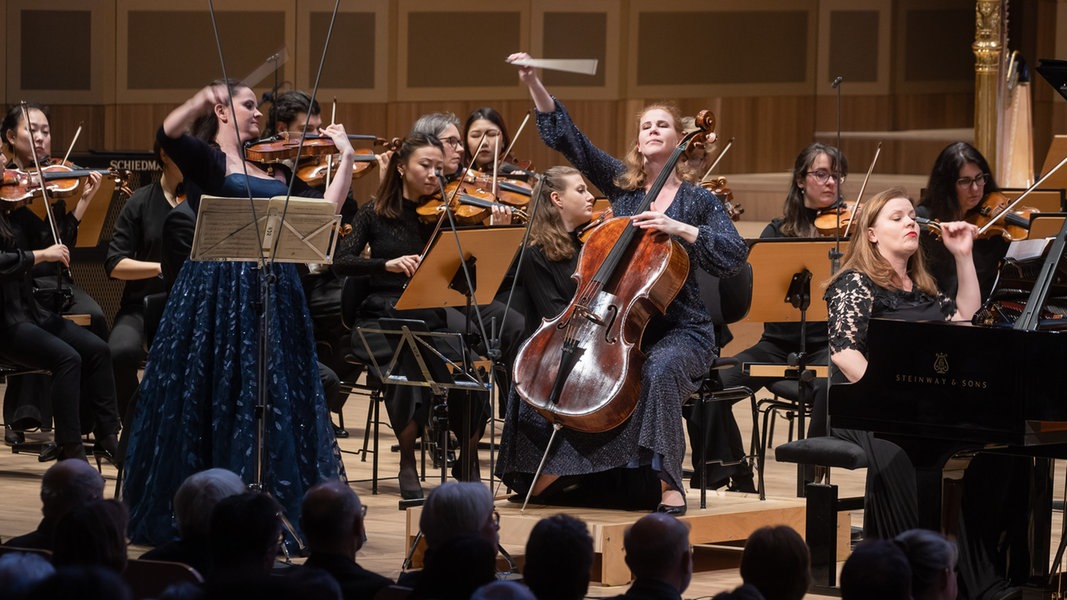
(884, 276)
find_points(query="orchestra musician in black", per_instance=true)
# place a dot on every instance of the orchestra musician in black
(390, 226)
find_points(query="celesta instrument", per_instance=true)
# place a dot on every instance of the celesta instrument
(582, 369)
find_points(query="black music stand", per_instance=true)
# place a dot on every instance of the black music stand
(293, 230)
(441, 281)
(782, 274)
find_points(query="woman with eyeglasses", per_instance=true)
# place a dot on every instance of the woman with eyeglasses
(444, 127)
(959, 182)
(816, 184)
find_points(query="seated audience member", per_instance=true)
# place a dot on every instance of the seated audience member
(659, 556)
(20, 571)
(933, 559)
(503, 590)
(83, 583)
(244, 539)
(559, 556)
(456, 568)
(93, 534)
(193, 503)
(876, 570)
(451, 510)
(332, 520)
(66, 484)
(776, 564)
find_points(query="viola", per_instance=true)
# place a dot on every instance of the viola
(469, 204)
(995, 216)
(582, 368)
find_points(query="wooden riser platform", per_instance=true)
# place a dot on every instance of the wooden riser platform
(729, 519)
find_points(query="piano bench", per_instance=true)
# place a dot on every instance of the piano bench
(823, 505)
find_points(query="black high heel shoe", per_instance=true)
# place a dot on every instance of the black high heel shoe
(106, 448)
(669, 509)
(410, 488)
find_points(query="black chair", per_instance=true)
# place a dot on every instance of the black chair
(785, 403)
(728, 301)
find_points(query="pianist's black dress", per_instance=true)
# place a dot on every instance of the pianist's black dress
(890, 505)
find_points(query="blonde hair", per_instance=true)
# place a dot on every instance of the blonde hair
(634, 176)
(546, 226)
(863, 256)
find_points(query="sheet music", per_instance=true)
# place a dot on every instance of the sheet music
(225, 231)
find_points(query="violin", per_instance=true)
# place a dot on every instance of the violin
(836, 219)
(61, 180)
(586, 230)
(283, 147)
(469, 204)
(508, 191)
(997, 216)
(717, 187)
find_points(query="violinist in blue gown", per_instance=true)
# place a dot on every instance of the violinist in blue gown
(200, 385)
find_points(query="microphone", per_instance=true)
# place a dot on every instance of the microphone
(836, 82)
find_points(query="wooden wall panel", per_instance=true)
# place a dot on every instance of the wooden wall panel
(357, 64)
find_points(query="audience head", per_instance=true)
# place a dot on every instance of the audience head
(67, 484)
(777, 563)
(197, 497)
(457, 567)
(332, 520)
(93, 534)
(84, 583)
(876, 570)
(657, 547)
(20, 572)
(559, 556)
(933, 559)
(459, 508)
(244, 536)
(503, 590)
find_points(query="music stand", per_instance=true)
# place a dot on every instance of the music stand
(782, 272)
(227, 230)
(440, 282)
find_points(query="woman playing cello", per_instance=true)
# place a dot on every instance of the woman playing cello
(680, 344)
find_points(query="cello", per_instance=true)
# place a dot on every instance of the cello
(582, 369)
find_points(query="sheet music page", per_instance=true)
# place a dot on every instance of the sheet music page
(225, 229)
(1023, 249)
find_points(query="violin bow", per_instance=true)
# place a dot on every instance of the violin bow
(77, 133)
(717, 159)
(1015, 202)
(863, 186)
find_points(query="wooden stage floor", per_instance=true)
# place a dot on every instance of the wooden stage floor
(386, 525)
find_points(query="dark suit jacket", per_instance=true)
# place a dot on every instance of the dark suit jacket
(356, 582)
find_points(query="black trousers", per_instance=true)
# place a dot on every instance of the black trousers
(82, 384)
(127, 353)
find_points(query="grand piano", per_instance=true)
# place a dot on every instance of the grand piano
(943, 391)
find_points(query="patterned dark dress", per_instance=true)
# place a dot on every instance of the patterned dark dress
(853, 299)
(199, 390)
(679, 345)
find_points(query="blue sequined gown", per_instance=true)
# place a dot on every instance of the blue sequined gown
(679, 345)
(199, 389)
